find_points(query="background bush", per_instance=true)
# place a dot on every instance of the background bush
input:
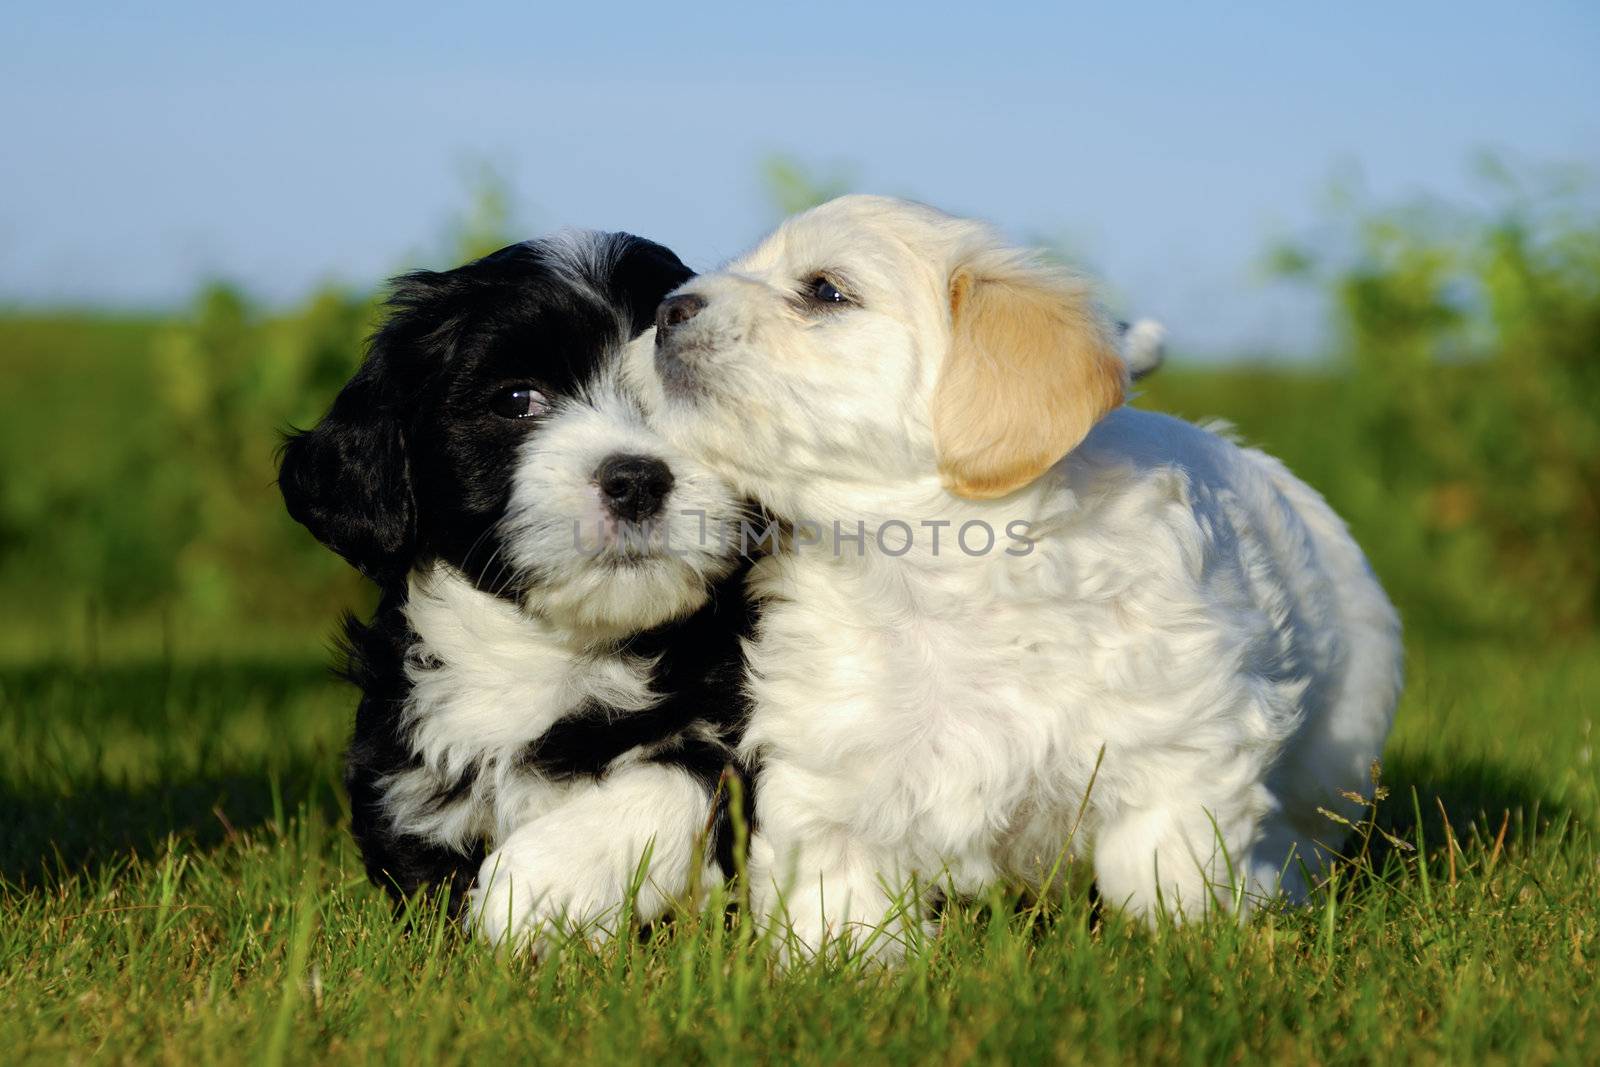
(1468, 400)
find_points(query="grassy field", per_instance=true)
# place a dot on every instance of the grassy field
(179, 888)
(177, 885)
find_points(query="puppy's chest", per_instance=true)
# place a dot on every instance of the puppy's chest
(501, 719)
(496, 706)
(844, 670)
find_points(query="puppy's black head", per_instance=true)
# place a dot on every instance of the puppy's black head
(415, 460)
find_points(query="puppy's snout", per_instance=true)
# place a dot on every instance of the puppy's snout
(634, 488)
(675, 311)
(676, 374)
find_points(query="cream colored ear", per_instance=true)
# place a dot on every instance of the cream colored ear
(1030, 370)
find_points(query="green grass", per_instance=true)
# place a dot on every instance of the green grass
(179, 887)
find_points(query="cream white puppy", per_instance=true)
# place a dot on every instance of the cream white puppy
(1021, 620)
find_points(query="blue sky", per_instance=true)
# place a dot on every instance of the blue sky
(148, 146)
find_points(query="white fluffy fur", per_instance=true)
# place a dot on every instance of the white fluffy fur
(1144, 346)
(570, 871)
(1189, 608)
(488, 679)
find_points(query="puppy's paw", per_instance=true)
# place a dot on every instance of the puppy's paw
(845, 913)
(573, 872)
(529, 903)
(872, 937)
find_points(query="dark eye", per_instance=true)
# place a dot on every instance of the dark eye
(520, 403)
(823, 291)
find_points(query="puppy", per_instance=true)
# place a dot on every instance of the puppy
(550, 684)
(1029, 622)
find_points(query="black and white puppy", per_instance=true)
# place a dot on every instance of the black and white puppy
(551, 682)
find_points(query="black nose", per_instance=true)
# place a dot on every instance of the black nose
(633, 487)
(675, 311)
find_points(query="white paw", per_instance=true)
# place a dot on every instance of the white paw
(885, 936)
(569, 873)
(836, 913)
(529, 903)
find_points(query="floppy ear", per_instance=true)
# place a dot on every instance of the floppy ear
(1030, 370)
(347, 480)
(644, 273)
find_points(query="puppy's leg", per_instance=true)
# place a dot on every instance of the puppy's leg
(1183, 858)
(401, 857)
(820, 883)
(1283, 859)
(831, 892)
(405, 864)
(569, 871)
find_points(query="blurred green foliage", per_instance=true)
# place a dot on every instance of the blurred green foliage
(1468, 403)
(1455, 426)
(140, 458)
(230, 379)
(793, 186)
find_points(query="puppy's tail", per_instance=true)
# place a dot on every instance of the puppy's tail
(1144, 346)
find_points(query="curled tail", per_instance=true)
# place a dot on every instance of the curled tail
(1144, 346)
